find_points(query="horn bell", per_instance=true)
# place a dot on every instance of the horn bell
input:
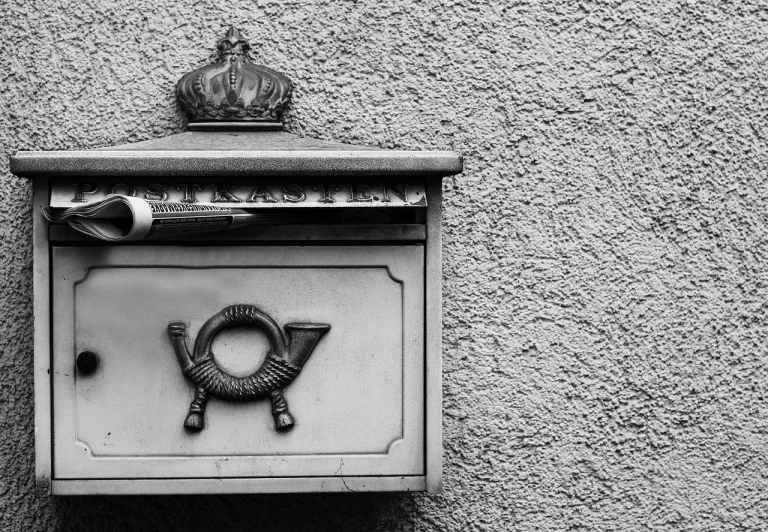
(302, 339)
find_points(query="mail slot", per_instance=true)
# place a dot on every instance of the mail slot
(299, 351)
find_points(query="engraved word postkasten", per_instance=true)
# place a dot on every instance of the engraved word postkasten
(72, 193)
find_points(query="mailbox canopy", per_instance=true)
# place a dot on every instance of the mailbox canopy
(236, 153)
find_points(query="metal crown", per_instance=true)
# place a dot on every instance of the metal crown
(233, 88)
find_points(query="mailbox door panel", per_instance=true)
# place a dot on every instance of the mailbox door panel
(357, 402)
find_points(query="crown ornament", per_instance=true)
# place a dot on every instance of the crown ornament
(234, 89)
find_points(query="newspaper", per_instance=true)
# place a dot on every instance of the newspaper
(125, 218)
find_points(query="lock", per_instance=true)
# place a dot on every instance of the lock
(87, 362)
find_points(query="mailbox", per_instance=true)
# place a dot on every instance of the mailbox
(298, 353)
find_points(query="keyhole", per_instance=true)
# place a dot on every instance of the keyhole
(87, 362)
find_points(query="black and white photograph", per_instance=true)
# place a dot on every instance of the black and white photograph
(384, 266)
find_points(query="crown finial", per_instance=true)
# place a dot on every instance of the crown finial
(233, 89)
(234, 38)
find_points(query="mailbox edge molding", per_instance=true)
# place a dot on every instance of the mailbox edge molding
(254, 155)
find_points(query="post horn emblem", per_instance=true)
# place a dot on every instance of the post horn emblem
(281, 366)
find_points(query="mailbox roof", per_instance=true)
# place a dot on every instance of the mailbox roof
(236, 153)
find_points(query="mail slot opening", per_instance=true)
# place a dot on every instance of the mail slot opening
(138, 210)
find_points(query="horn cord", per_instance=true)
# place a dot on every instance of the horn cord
(274, 374)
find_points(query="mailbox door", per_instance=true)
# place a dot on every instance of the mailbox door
(358, 401)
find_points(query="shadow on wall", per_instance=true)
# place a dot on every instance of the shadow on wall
(275, 513)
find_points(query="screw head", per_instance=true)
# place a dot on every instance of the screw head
(87, 362)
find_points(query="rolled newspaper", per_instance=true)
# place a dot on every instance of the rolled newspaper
(125, 218)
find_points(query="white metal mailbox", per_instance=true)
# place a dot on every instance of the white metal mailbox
(299, 353)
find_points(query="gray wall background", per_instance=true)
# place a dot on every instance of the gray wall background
(604, 255)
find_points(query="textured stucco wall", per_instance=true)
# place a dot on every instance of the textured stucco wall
(605, 250)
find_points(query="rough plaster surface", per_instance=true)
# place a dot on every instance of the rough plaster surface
(605, 250)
